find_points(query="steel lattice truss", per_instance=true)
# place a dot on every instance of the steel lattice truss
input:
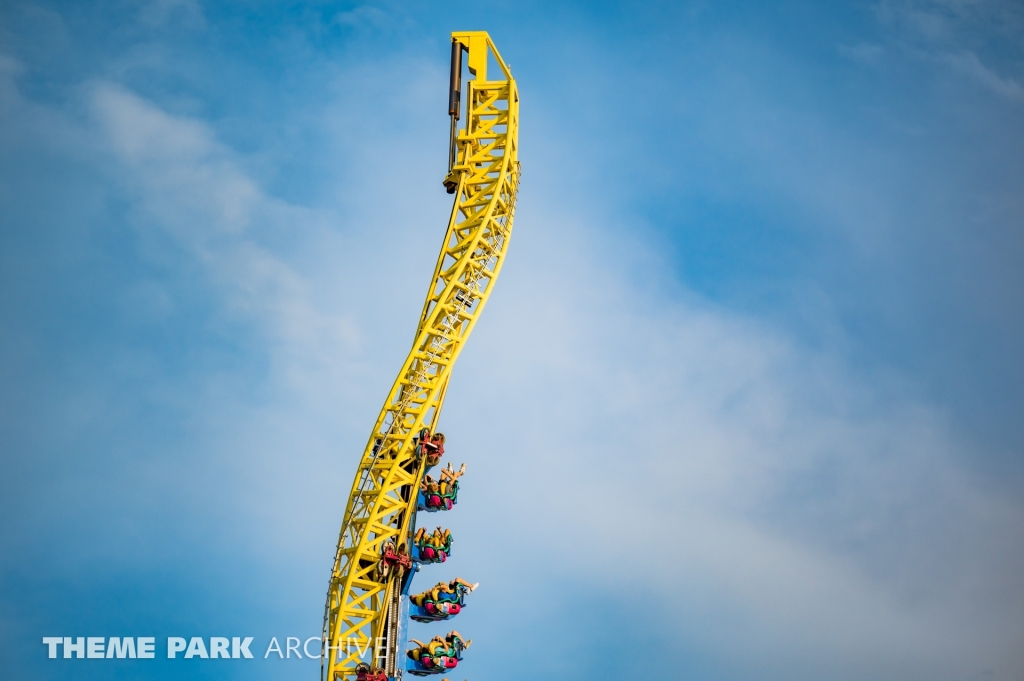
(381, 507)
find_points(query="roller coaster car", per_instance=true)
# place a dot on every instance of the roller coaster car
(392, 558)
(440, 495)
(364, 673)
(438, 656)
(432, 548)
(442, 602)
(430, 446)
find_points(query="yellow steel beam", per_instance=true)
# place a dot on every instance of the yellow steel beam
(382, 500)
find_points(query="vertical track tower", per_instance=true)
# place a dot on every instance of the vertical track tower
(379, 548)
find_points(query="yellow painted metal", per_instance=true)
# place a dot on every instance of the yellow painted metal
(381, 506)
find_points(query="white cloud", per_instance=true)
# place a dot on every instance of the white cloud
(952, 32)
(639, 441)
(772, 507)
(618, 431)
(364, 17)
(946, 20)
(864, 53)
(970, 65)
(189, 185)
(188, 13)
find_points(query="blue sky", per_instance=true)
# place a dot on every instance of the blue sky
(744, 404)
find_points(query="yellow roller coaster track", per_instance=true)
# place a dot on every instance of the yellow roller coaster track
(362, 609)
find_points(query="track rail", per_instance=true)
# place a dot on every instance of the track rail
(381, 507)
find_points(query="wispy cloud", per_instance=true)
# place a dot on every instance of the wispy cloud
(864, 52)
(365, 17)
(807, 501)
(187, 184)
(708, 453)
(970, 65)
(945, 20)
(188, 13)
(952, 32)
(645, 466)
